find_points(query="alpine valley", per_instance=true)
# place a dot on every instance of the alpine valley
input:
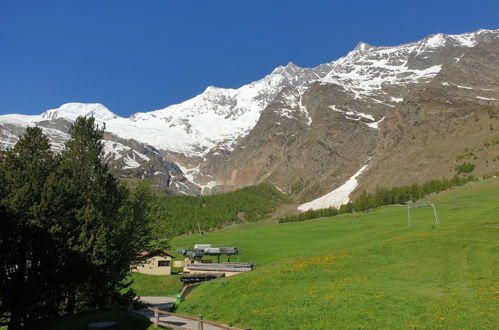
(377, 117)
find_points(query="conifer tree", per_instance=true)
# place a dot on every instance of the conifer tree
(68, 229)
(25, 246)
(98, 224)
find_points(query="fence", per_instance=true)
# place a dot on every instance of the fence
(128, 304)
(200, 321)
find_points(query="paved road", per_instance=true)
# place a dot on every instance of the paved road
(165, 303)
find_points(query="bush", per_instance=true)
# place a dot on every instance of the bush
(465, 167)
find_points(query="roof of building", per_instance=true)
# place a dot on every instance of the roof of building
(152, 253)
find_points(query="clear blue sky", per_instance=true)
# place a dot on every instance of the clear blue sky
(143, 55)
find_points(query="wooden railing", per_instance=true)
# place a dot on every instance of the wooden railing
(198, 319)
(127, 303)
(186, 289)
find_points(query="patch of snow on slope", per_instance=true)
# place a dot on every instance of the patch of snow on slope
(437, 40)
(335, 198)
(293, 99)
(375, 124)
(142, 156)
(10, 135)
(354, 115)
(189, 174)
(466, 39)
(130, 163)
(446, 84)
(280, 190)
(365, 72)
(113, 149)
(304, 110)
(287, 113)
(486, 98)
(57, 138)
(463, 87)
(8, 140)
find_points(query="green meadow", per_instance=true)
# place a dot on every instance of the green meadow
(155, 285)
(364, 270)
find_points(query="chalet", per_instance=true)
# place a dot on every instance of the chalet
(154, 262)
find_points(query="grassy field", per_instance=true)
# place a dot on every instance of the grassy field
(81, 321)
(364, 270)
(156, 285)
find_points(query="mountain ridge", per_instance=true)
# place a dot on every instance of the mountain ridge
(209, 137)
(223, 97)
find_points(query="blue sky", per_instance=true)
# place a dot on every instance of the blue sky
(143, 55)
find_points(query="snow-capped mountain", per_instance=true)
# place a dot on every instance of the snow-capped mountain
(212, 135)
(129, 159)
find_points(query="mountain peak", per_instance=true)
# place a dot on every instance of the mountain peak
(465, 39)
(290, 68)
(221, 115)
(71, 111)
(362, 47)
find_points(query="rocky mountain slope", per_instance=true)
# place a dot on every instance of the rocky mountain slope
(405, 114)
(128, 159)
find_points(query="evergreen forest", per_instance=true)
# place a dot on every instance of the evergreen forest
(178, 214)
(68, 228)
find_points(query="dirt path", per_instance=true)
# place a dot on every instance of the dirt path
(165, 303)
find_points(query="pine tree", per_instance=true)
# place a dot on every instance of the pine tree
(68, 229)
(25, 246)
(98, 224)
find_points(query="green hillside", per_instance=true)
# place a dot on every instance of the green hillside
(364, 270)
(176, 215)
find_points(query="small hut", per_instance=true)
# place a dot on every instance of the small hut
(156, 262)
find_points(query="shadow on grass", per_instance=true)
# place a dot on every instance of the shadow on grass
(80, 321)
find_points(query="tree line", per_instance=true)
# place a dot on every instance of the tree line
(177, 214)
(68, 228)
(381, 197)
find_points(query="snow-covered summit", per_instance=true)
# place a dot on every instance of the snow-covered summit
(220, 116)
(71, 111)
(465, 39)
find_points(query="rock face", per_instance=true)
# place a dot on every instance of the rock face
(410, 113)
(450, 120)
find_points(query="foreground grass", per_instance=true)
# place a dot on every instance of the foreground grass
(81, 321)
(365, 270)
(156, 285)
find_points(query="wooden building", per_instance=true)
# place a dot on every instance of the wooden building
(155, 262)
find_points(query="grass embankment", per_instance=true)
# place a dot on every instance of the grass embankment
(80, 321)
(176, 215)
(365, 270)
(155, 285)
(382, 197)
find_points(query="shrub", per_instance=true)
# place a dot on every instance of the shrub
(465, 167)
